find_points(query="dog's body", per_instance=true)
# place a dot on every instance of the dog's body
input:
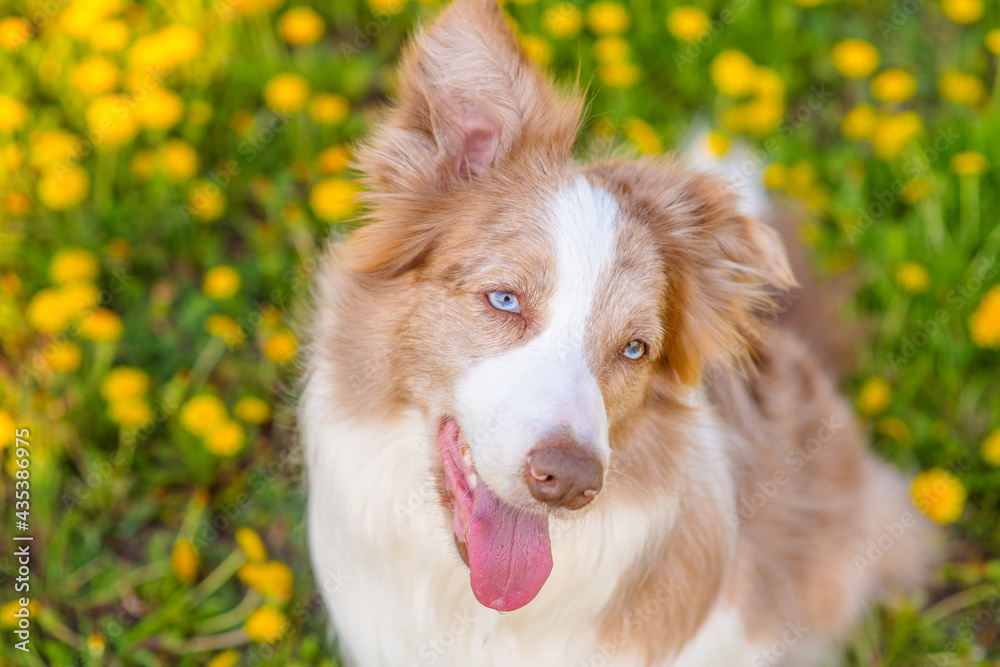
(708, 501)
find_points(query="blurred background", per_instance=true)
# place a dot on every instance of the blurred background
(170, 168)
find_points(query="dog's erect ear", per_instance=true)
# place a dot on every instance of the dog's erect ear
(723, 269)
(468, 96)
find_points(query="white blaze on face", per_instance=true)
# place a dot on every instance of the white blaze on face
(507, 404)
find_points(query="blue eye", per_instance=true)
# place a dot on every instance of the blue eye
(504, 301)
(634, 350)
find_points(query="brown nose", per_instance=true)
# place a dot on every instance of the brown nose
(561, 473)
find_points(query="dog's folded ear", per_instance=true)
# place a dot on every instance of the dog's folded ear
(469, 97)
(723, 269)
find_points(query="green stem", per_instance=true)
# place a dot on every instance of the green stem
(959, 601)
(233, 617)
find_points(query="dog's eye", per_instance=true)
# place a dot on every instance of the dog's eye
(634, 350)
(504, 301)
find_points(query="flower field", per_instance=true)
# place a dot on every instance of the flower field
(170, 168)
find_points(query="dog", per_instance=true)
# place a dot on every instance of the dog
(552, 413)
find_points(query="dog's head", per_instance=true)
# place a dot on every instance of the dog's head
(534, 301)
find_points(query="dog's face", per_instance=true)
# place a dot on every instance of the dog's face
(536, 301)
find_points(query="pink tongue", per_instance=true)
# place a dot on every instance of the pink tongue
(509, 552)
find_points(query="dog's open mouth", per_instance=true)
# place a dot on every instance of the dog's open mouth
(506, 548)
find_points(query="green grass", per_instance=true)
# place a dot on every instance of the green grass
(109, 501)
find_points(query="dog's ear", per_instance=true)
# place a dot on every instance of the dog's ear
(469, 101)
(723, 269)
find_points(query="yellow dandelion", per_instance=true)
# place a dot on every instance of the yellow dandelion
(206, 200)
(912, 277)
(939, 494)
(226, 328)
(96, 644)
(855, 58)
(200, 112)
(687, 23)
(562, 20)
(221, 282)
(184, 561)
(991, 448)
(333, 160)
(776, 176)
(253, 547)
(180, 160)
(538, 48)
(893, 427)
(12, 113)
(166, 49)
(63, 189)
(102, 326)
(286, 93)
(992, 41)
(71, 265)
(118, 248)
(273, 579)
(81, 16)
(266, 625)
(16, 203)
(143, 164)
(124, 382)
(732, 72)
(281, 346)
(916, 189)
(225, 439)
(859, 122)
(7, 426)
(202, 413)
(79, 297)
(619, 74)
(893, 132)
(963, 11)
(252, 410)
(329, 109)
(250, 7)
(225, 659)
(130, 412)
(109, 36)
(969, 163)
(95, 75)
(984, 323)
(387, 6)
(160, 109)
(52, 147)
(47, 312)
(14, 33)
(874, 396)
(8, 611)
(808, 3)
(300, 26)
(612, 49)
(961, 88)
(893, 85)
(607, 18)
(718, 143)
(63, 357)
(111, 121)
(645, 138)
(333, 199)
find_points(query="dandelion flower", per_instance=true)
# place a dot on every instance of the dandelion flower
(266, 625)
(874, 396)
(160, 109)
(992, 41)
(184, 561)
(286, 93)
(12, 113)
(893, 85)
(221, 282)
(251, 544)
(855, 58)
(252, 410)
(912, 277)
(612, 49)
(225, 439)
(109, 36)
(333, 160)
(47, 312)
(14, 33)
(984, 323)
(226, 328)
(63, 357)
(859, 122)
(63, 189)
(607, 18)
(329, 109)
(969, 163)
(225, 659)
(687, 23)
(124, 382)
(202, 413)
(732, 72)
(961, 88)
(963, 11)
(281, 346)
(991, 448)
(71, 265)
(300, 26)
(111, 121)
(619, 74)
(272, 579)
(538, 48)
(645, 138)
(893, 132)
(95, 75)
(563, 20)
(916, 189)
(939, 494)
(102, 326)
(180, 160)
(206, 200)
(130, 412)
(333, 199)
